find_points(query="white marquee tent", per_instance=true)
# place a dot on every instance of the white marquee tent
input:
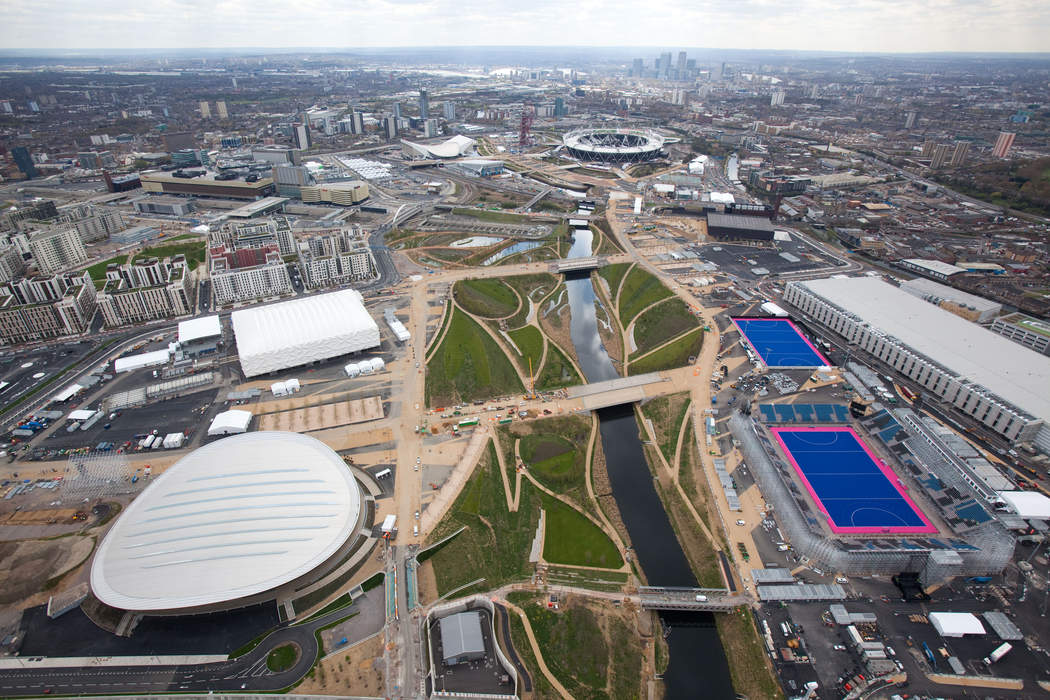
(230, 422)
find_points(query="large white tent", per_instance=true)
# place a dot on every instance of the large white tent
(146, 359)
(230, 422)
(956, 624)
(297, 332)
(199, 329)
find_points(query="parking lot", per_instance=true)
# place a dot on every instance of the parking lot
(740, 260)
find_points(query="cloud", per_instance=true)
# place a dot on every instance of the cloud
(859, 25)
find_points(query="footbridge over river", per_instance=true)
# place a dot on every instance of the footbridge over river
(699, 599)
(592, 262)
(615, 392)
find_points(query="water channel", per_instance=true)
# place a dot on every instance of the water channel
(697, 667)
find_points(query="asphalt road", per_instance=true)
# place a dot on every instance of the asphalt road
(247, 672)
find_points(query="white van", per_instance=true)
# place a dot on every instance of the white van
(415, 530)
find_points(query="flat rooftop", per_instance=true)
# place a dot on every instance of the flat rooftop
(1013, 372)
(1028, 323)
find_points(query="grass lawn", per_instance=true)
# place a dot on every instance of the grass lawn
(748, 664)
(488, 298)
(613, 274)
(486, 215)
(670, 356)
(570, 538)
(98, 270)
(640, 289)
(530, 345)
(529, 286)
(557, 371)
(541, 687)
(196, 252)
(282, 658)
(496, 543)
(667, 414)
(662, 322)
(554, 450)
(468, 365)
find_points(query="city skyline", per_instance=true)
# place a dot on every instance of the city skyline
(880, 26)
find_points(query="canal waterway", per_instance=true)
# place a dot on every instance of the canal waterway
(697, 666)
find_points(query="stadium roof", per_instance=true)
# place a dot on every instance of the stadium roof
(235, 518)
(293, 333)
(198, 328)
(1009, 370)
(454, 147)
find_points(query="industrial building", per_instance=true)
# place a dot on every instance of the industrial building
(477, 167)
(168, 206)
(1029, 332)
(935, 269)
(301, 331)
(260, 546)
(969, 306)
(461, 638)
(206, 186)
(736, 227)
(979, 373)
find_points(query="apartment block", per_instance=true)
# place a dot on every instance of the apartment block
(57, 249)
(38, 309)
(145, 290)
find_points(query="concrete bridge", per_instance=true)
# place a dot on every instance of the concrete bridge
(580, 264)
(614, 392)
(699, 599)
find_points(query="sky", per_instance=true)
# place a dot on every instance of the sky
(851, 26)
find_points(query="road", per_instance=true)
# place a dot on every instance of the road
(248, 672)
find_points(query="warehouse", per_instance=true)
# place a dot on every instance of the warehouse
(200, 539)
(732, 227)
(945, 354)
(960, 303)
(461, 638)
(301, 331)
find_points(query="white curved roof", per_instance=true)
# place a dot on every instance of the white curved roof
(576, 140)
(237, 517)
(456, 146)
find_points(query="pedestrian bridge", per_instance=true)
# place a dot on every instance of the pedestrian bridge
(614, 392)
(580, 264)
(672, 598)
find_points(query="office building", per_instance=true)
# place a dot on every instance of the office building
(344, 193)
(290, 179)
(205, 110)
(12, 264)
(301, 135)
(424, 104)
(168, 206)
(1003, 144)
(220, 109)
(449, 110)
(959, 154)
(430, 128)
(998, 383)
(24, 161)
(96, 160)
(1025, 330)
(277, 154)
(940, 155)
(145, 290)
(559, 107)
(664, 67)
(680, 67)
(178, 140)
(638, 68)
(777, 98)
(397, 110)
(40, 308)
(57, 249)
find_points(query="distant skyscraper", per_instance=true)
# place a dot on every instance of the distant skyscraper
(357, 125)
(909, 120)
(24, 161)
(665, 64)
(559, 107)
(638, 68)
(1003, 144)
(390, 127)
(234, 80)
(681, 64)
(205, 110)
(450, 111)
(959, 155)
(424, 104)
(301, 135)
(940, 155)
(722, 71)
(220, 109)
(927, 149)
(397, 110)
(777, 98)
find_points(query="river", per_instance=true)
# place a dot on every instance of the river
(698, 666)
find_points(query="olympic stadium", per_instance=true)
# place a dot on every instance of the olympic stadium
(243, 520)
(614, 145)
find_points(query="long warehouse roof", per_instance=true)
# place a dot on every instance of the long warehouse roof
(293, 333)
(1011, 371)
(235, 518)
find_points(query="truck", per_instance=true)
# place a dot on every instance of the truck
(998, 653)
(466, 422)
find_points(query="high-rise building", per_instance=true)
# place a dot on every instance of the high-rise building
(57, 249)
(722, 71)
(909, 119)
(11, 263)
(220, 109)
(450, 110)
(681, 64)
(24, 161)
(301, 135)
(927, 148)
(777, 98)
(940, 155)
(1003, 144)
(390, 127)
(959, 155)
(638, 68)
(358, 123)
(665, 65)
(205, 110)
(430, 128)
(397, 110)
(290, 179)
(559, 107)
(424, 104)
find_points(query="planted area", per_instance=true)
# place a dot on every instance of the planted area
(98, 270)
(282, 658)
(468, 365)
(530, 344)
(554, 450)
(533, 287)
(557, 371)
(614, 274)
(486, 215)
(748, 663)
(489, 298)
(640, 289)
(667, 414)
(496, 543)
(195, 252)
(570, 538)
(660, 323)
(671, 356)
